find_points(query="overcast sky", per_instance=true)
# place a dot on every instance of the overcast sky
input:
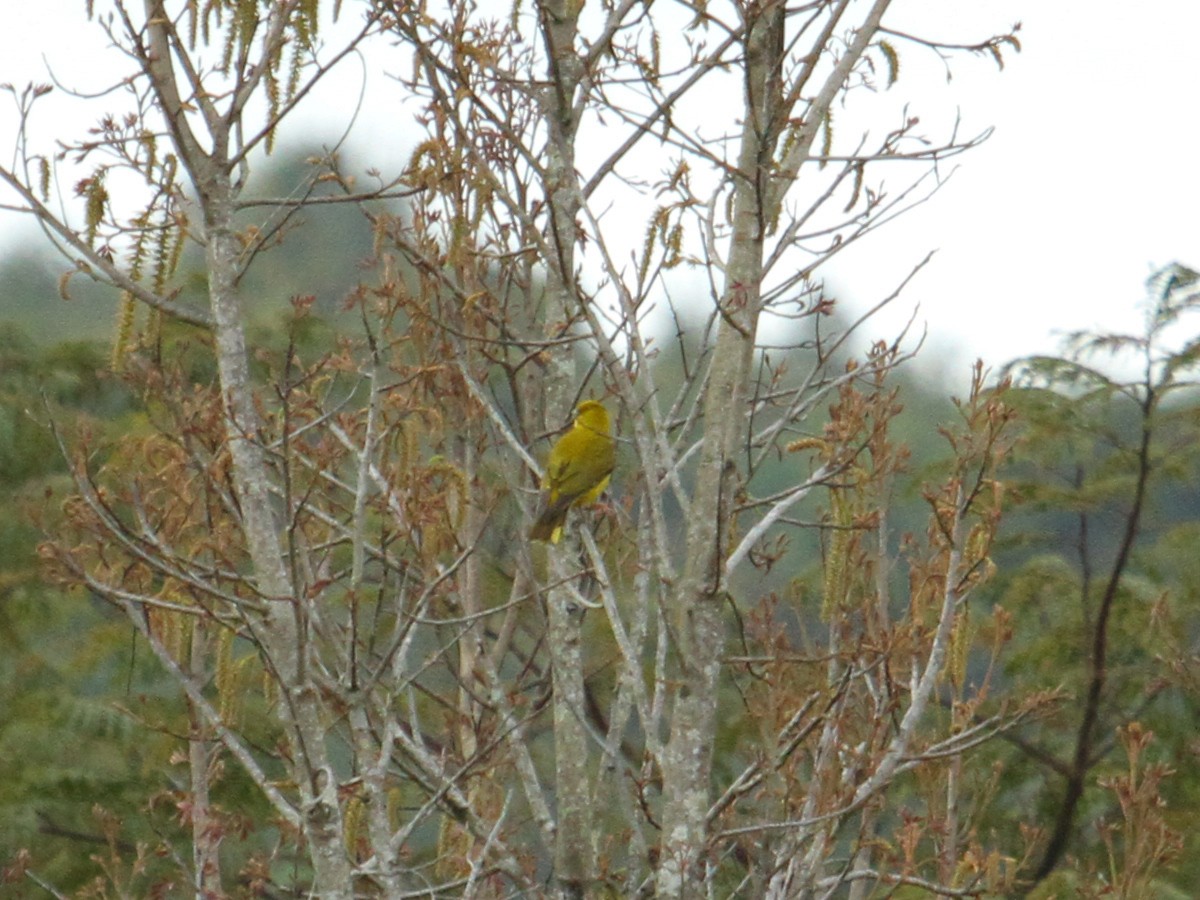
(1088, 182)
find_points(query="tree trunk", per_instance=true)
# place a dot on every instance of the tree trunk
(282, 632)
(697, 619)
(572, 860)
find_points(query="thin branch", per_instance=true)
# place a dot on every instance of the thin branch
(90, 260)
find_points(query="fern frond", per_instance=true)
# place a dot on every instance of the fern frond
(96, 202)
(193, 22)
(354, 820)
(674, 247)
(837, 561)
(126, 314)
(274, 102)
(227, 678)
(295, 70)
(64, 281)
(827, 140)
(44, 178)
(961, 638)
(893, 61)
(856, 190)
(309, 21)
(658, 223)
(245, 22)
(227, 48)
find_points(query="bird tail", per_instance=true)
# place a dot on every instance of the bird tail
(549, 526)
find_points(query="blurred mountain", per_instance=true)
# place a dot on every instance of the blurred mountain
(318, 252)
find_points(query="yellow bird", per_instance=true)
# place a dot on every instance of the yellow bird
(578, 470)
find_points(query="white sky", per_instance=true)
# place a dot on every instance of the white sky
(1088, 183)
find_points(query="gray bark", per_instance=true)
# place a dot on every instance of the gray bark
(572, 858)
(282, 630)
(696, 615)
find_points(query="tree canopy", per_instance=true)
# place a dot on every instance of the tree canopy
(326, 659)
